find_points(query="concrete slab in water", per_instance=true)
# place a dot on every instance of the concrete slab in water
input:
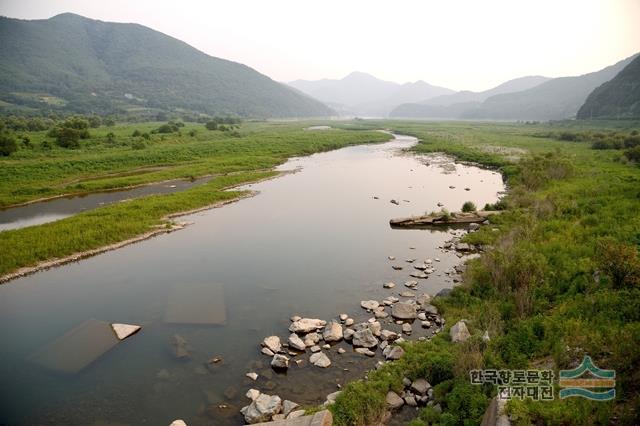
(197, 304)
(125, 330)
(79, 347)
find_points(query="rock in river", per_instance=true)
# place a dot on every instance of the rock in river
(333, 332)
(404, 311)
(296, 342)
(369, 304)
(364, 338)
(365, 351)
(262, 409)
(307, 325)
(272, 343)
(319, 359)
(280, 361)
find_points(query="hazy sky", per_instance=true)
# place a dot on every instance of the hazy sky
(474, 44)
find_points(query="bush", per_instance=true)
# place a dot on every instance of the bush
(138, 145)
(211, 125)
(8, 145)
(620, 262)
(136, 133)
(469, 206)
(633, 154)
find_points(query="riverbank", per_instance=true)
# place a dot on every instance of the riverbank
(548, 291)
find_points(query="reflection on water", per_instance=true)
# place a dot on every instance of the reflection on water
(312, 243)
(59, 208)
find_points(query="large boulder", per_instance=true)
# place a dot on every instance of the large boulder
(404, 311)
(280, 362)
(319, 359)
(420, 386)
(459, 332)
(393, 400)
(272, 343)
(296, 342)
(332, 332)
(262, 409)
(393, 353)
(307, 325)
(364, 338)
(369, 304)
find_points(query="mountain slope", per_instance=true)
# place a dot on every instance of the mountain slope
(555, 99)
(515, 85)
(91, 65)
(617, 98)
(454, 105)
(361, 93)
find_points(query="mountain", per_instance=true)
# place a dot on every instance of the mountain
(617, 98)
(79, 64)
(554, 99)
(363, 94)
(454, 105)
(515, 85)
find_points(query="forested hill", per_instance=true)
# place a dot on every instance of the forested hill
(78, 64)
(617, 98)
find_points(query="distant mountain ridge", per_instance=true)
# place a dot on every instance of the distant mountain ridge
(74, 63)
(363, 94)
(617, 98)
(553, 99)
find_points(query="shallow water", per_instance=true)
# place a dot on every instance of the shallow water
(59, 208)
(312, 243)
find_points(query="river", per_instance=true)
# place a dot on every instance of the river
(313, 243)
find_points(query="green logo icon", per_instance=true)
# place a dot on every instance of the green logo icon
(599, 387)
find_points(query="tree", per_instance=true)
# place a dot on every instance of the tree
(8, 145)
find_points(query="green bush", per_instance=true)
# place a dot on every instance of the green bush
(468, 207)
(8, 145)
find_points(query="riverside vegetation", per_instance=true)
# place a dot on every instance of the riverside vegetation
(118, 156)
(560, 278)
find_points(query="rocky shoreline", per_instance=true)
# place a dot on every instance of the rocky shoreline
(314, 342)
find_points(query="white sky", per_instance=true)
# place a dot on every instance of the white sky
(474, 44)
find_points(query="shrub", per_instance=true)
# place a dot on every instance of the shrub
(136, 133)
(138, 145)
(8, 145)
(469, 206)
(211, 125)
(633, 154)
(620, 262)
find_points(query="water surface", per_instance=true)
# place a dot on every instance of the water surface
(59, 208)
(312, 243)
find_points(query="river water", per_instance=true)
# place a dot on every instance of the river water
(59, 208)
(313, 243)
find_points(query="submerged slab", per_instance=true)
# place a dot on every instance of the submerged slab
(197, 304)
(79, 347)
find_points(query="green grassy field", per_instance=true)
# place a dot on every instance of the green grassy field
(560, 279)
(99, 165)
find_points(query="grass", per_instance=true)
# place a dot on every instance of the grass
(560, 278)
(34, 173)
